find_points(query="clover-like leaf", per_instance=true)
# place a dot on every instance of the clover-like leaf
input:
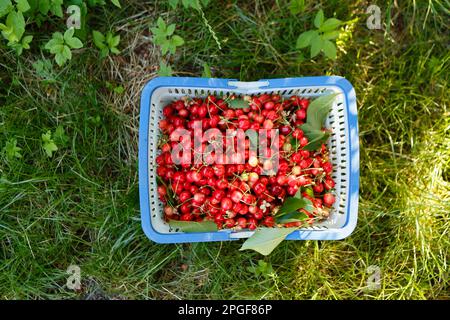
(329, 49)
(99, 39)
(164, 70)
(48, 144)
(11, 149)
(318, 19)
(304, 39)
(316, 45)
(22, 5)
(330, 24)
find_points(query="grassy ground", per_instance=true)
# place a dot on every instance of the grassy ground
(81, 205)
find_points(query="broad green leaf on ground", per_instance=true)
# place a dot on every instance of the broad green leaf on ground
(304, 39)
(318, 110)
(238, 104)
(191, 226)
(318, 19)
(264, 240)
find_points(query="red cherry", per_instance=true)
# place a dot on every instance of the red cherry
(269, 221)
(304, 103)
(258, 214)
(298, 133)
(259, 188)
(222, 184)
(259, 118)
(285, 130)
(199, 198)
(184, 196)
(305, 153)
(179, 177)
(329, 184)
(303, 141)
(248, 198)
(252, 223)
(162, 191)
(202, 111)
(168, 211)
(236, 196)
(229, 223)
(281, 180)
(268, 124)
(242, 222)
(219, 170)
(167, 111)
(327, 167)
(318, 188)
(269, 105)
(329, 199)
(272, 115)
(244, 124)
(226, 204)
(183, 113)
(301, 114)
(218, 194)
(296, 157)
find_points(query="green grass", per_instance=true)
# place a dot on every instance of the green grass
(82, 205)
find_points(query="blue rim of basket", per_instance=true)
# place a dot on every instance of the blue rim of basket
(224, 235)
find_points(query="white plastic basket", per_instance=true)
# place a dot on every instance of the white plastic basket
(343, 145)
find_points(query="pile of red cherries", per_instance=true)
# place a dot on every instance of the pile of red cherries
(240, 196)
